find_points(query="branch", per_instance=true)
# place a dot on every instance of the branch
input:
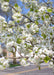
(28, 18)
(19, 24)
(22, 14)
(16, 57)
(47, 3)
(50, 17)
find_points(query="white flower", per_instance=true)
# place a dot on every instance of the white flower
(25, 20)
(0, 49)
(2, 19)
(43, 8)
(37, 59)
(18, 48)
(34, 2)
(17, 54)
(35, 48)
(13, 49)
(10, 44)
(11, 23)
(5, 6)
(10, 30)
(48, 52)
(29, 37)
(51, 64)
(1, 67)
(17, 16)
(34, 28)
(24, 1)
(27, 64)
(45, 50)
(23, 62)
(42, 56)
(40, 51)
(16, 8)
(4, 23)
(32, 60)
(27, 55)
(29, 59)
(2, 60)
(6, 63)
(22, 54)
(30, 54)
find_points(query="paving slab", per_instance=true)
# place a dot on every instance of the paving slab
(28, 70)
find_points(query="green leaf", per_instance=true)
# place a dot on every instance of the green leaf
(18, 21)
(46, 59)
(51, 33)
(39, 67)
(36, 22)
(30, 51)
(43, 13)
(28, 26)
(25, 59)
(8, 35)
(6, 0)
(44, 36)
(36, 10)
(19, 40)
(42, 18)
(36, 51)
(16, 5)
(24, 38)
(53, 12)
(37, 31)
(47, 16)
(31, 9)
(26, 44)
(49, 10)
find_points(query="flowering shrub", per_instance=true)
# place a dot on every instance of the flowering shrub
(31, 39)
(3, 63)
